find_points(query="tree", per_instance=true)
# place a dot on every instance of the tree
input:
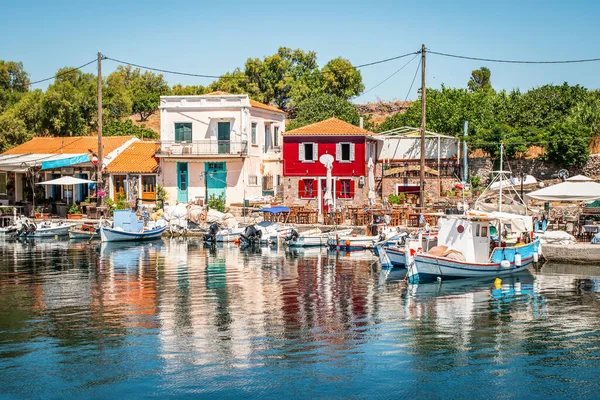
(14, 81)
(190, 90)
(69, 105)
(12, 131)
(321, 107)
(567, 144)
(480, 80)
(340, 78)
(127, 128)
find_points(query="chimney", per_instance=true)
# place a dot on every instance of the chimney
(361, 123)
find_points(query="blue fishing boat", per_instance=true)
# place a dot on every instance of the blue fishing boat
(127, 226)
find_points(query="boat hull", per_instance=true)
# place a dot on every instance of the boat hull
(62, 230)
(86, 235)
(352, 242)
(113, 235)
(396, 256)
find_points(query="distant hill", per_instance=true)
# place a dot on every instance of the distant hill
(380, 110)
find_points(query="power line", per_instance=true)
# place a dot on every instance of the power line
(389, 77)
(514, 61)
(166, 71)
(63, 73)
(412, 83)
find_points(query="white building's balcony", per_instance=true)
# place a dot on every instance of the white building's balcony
(203, 148)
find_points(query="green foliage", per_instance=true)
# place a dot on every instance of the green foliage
(393, 199)
(161, 195)
(14, 81)
(127, 128)
(568, 144)
(74, 209)
(121, 203)
(217, 203)
(475, 180)
(323, 106)
(480, 80)
(341, 79)
(191, 90)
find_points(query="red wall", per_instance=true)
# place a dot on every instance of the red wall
(292, 166)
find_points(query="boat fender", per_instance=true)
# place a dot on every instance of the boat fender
(517, 259)
(348, 243)
(536, 257)
(505, 263)
(532, 235)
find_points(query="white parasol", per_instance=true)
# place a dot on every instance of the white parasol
(371, 181)
(577, 188)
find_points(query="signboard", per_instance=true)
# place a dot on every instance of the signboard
(67, 171)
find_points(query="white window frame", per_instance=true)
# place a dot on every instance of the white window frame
(253, 132)
(301, 151)
(252, 178)
(338, 152)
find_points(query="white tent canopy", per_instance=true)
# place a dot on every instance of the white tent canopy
(66, 180)
(577, 188)
(371, 181)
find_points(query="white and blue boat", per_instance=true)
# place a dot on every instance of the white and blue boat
(127, 226)
(468, 247)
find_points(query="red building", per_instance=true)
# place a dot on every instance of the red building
(304, 175)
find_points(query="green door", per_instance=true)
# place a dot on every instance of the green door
(224, 137)
(216, 179)
(182, 182)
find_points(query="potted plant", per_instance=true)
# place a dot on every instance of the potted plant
(74, 212)
(402, 197)
(39, 214)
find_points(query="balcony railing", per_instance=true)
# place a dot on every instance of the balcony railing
(203, 148)
(271, 149)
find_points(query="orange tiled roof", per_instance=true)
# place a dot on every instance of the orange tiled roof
(253, 103)
(138, 157)
(69, 145)
(331, 126)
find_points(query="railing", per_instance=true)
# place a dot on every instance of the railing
(272, 149)
(203, 147)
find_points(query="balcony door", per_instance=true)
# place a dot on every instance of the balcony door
(224, 136)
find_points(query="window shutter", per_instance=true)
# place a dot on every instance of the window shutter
(338, 151)
(351, 188)
(351, 151)
(301, 151)
(315, 152)
(338, 188)
(300, 188)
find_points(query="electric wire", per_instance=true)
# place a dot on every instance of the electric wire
(389, 77)
(412, 83)
(513, 61)
(63, 73)
(166, 71)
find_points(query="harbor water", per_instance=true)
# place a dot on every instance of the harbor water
(175, 319)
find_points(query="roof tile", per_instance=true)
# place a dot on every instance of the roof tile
(69, 145)
(331, 126)
(137, 158)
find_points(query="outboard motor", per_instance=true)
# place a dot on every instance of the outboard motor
(31, 228)
(251, 235)
(293, 235)
(211, 235)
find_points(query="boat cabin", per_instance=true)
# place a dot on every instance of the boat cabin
(468, 236)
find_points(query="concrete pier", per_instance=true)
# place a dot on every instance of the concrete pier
(582, 253)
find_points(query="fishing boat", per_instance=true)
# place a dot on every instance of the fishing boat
(8, 221)
(268, 232)
(126, 226)
(84, 232)
(46, 229)
(313, 237)
(466, 248)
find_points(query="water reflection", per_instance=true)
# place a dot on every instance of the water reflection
(178, 318)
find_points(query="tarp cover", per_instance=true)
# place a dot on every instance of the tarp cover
(273, 210)
(577, 188)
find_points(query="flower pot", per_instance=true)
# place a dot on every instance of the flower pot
(41, 215)
(74, 216)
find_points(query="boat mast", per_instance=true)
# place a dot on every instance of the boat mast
(423, 124)
(501, 177)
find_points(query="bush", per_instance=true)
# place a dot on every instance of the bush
(218, 203)
(74, 209)
(393, 199)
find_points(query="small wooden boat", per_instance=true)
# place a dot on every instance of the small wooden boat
(313, 237)
(46, 229)
(127, 226)
(84, 232)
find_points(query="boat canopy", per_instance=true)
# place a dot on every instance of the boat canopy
(273, 210)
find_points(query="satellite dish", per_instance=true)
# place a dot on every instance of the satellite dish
(326, 159)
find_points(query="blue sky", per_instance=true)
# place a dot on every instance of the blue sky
(215, 37)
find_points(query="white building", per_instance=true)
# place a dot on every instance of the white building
(219, 144)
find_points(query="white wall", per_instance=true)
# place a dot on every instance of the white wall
(409, 148)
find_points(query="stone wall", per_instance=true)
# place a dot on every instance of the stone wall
(290, 194)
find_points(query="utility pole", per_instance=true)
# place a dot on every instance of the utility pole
(99, 185)
(423, 124)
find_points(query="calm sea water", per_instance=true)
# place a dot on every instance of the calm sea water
(175, 319)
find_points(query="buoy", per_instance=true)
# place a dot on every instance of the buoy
(505, 264)
(236, 241)
(517, 259)
(536, 257)
(348, 243)
(498, 282)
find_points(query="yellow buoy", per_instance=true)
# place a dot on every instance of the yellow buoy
(498, 283)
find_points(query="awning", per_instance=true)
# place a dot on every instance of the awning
(577, 188)
(67, 161)
(273, 210)
(22, 162)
